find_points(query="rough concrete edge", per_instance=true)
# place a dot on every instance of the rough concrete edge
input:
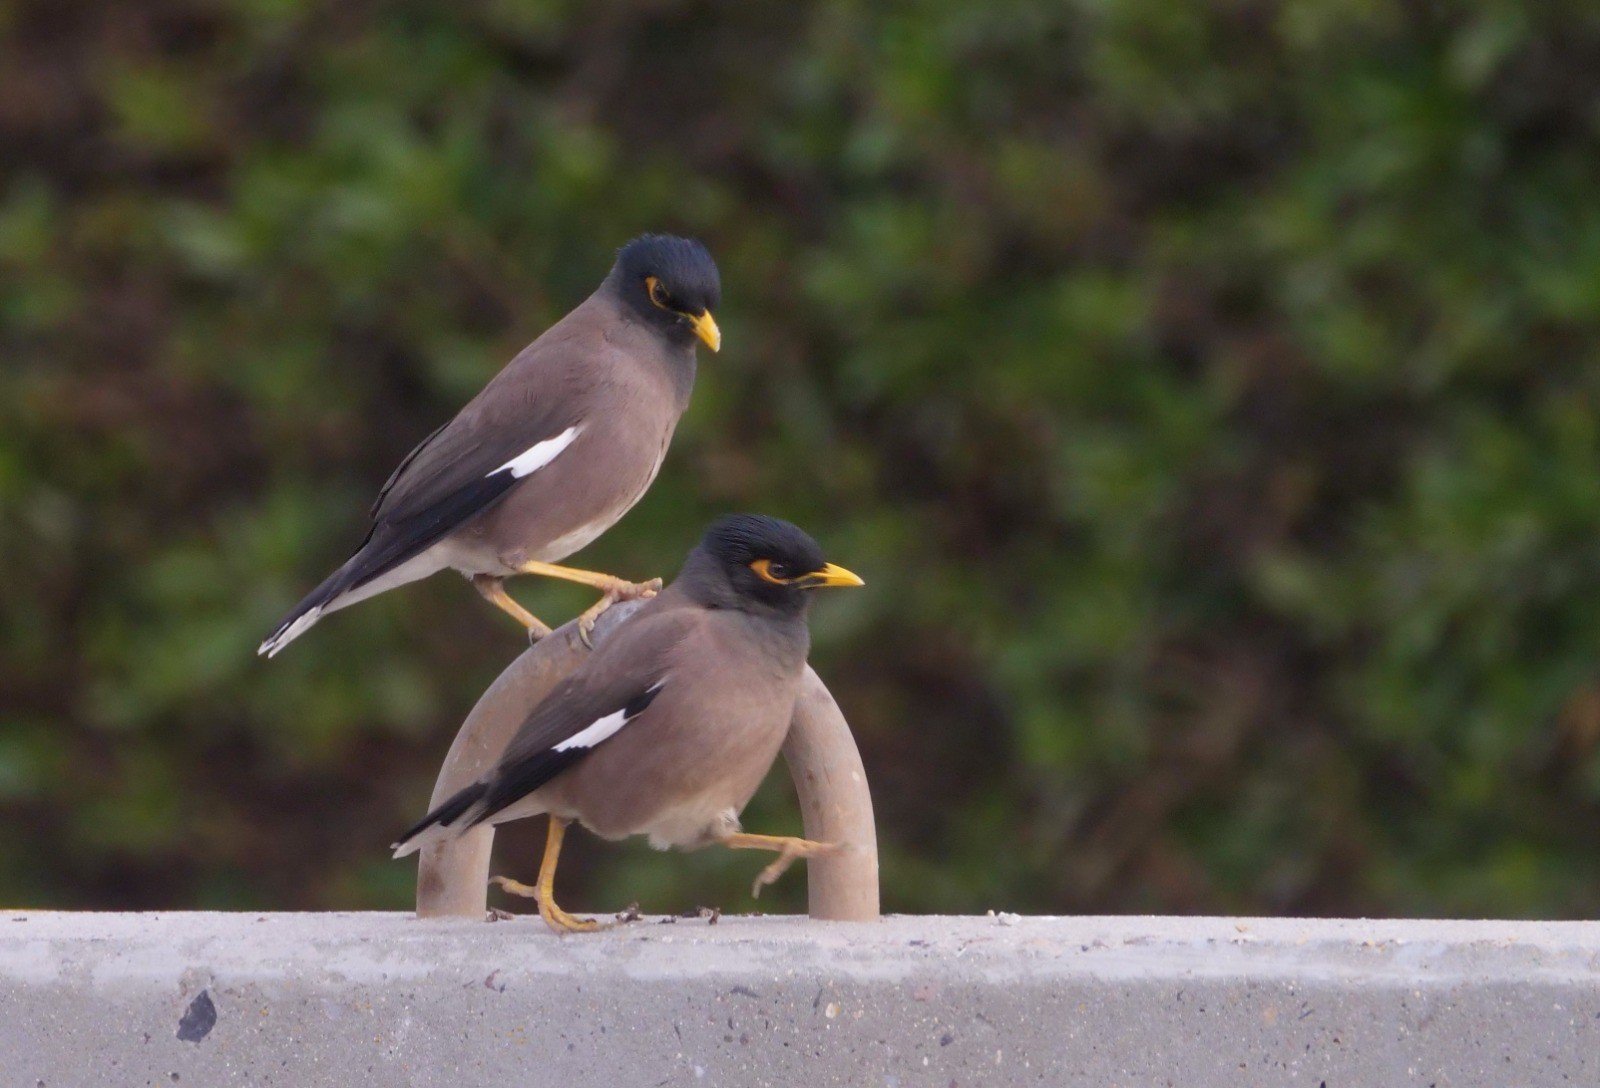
(380, 949)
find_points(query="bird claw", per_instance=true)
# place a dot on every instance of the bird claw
(792, 851)
(618, 591)
(516, 887)
(564, 923)
(554, 917)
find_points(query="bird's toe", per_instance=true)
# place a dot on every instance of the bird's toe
(515, 887)
(562, 922)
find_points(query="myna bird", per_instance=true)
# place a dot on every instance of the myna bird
(551, 453)
(672, 723)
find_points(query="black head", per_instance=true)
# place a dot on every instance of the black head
(750, 560)
(673, 285)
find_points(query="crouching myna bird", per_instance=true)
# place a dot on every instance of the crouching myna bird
(551, 453)
(669, 727)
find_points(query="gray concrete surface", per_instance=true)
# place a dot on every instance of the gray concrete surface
(386, 999)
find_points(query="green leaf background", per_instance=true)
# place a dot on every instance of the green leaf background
(1207, 392)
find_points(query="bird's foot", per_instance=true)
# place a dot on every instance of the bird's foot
(789, 849)
(562, 922)
(554, 917)
(516, 887)
(791, 852)
(614, 591)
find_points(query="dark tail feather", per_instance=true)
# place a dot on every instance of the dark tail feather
(389, 544)
(440, 818)
(310, 609)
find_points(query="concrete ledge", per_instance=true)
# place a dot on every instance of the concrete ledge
(386, 999)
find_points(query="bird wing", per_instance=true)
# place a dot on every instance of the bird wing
(520, 422)
(399, 470)
(612, 689)
(512, 427)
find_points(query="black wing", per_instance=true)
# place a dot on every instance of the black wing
(399, 470)
(520, 773)
(454, 475)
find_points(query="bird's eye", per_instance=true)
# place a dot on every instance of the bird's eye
(658, 293)
(769, 570)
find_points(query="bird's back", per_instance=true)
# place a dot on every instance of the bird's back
(542, 391)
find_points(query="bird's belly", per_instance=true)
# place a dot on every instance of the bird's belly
(684, 821)
(577, 540)
(543, 522)
(698, 821)
(482, 549)
(469, 554)
(684, 785)
(687, 823)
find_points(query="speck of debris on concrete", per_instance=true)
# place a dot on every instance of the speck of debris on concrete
(198, 1019)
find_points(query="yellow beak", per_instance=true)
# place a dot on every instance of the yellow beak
(829, 575)
(705, 327)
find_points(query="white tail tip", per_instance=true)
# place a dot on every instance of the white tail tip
(431, 834)
(288, 633)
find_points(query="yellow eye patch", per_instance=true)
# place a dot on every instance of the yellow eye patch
(763, 569)
(704, 326)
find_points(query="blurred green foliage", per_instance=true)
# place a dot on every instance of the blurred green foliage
(1208, 393)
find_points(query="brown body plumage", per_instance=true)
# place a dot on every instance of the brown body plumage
(702, 748)
(551, 453)
(669, 728)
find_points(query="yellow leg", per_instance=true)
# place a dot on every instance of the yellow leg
(789, 849)
(556, 918)
(493, 590)
(612, 589)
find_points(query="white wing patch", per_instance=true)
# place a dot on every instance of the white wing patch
(539, 454)
(601, 729)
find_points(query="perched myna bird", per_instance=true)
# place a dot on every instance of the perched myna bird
(670, 726)
(552, 452)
